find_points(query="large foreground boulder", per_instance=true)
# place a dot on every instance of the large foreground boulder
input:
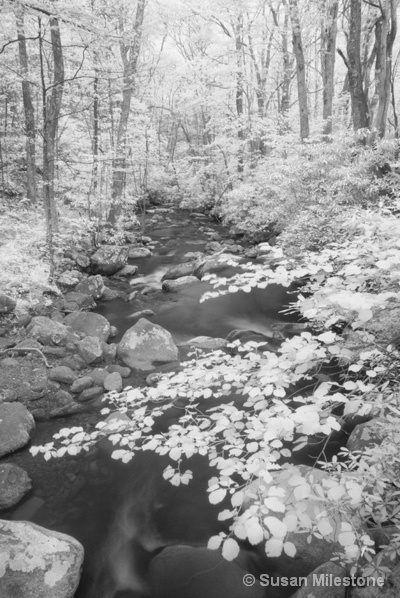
(108, 259)
(186, 572)
(89, 323)
(146, 344)
(16, 425)
(38, 563)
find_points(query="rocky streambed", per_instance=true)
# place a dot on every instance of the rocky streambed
(126, 312)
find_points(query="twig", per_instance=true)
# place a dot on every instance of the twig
(25, 350)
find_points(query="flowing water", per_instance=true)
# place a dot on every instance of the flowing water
(125, 514)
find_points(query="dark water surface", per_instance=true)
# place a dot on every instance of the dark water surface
(125, 514)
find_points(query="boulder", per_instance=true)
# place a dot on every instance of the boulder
(37, 562)
(113, 294)
(14, 484)
(98, 375)
(70, 278)
(89, 323)
(91, 349)
(92, 285)
(313, 586)
(81, 383)
(367, 435)
(135, 252)
(125, 372)
(187, 572)
(113, 382)
(108, 259)
(146, 344)
(180, 270)
(74, 301)
(109, 352)
(217, 263)
(126, 272)
(91, 393)
(62, 373)
(7, 304)
(174, 285)
(48, 331)
(82, 260)
(213, 246)
(16, 425)
(69, 409)
(207, 342)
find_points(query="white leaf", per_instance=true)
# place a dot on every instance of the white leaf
(327, 337)
(273, 503)
(214, 542)
(237, 499)
(365, 315)
(254, 531)
(273, 547)
(324, 527)
(276, 527)
(217, 496)
(289, 549)
(230, 549)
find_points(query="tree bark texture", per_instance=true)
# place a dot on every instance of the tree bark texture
(29, 112)
(360, 113)
(328, 52)
(300, 70)
(130, 56)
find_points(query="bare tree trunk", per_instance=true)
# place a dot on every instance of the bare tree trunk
(240, 90)
(130, 57)
(328, 52)
(385, 31)
(300, 69)
(29, 112)
(51, 106)
(359, 102)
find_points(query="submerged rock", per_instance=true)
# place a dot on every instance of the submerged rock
(146, 344)
(37, 562)
(14, 484)
(108, 259)
(207, 342)
(313, 586)
(135, 252)
(16, 425)
(180, 270)
(173, 285)
(89, 323)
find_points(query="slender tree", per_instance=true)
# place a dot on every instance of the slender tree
(300, 69)
(328, 53)
(29, 112)
(130, 57)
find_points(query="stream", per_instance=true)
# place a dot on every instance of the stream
(125, 514)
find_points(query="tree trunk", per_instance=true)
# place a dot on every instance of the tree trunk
(130, 57)
(51, 105)
(385, 31)
(328, 52)
(359, 102)
(240, 90)
(300, 69)
(29, 112)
